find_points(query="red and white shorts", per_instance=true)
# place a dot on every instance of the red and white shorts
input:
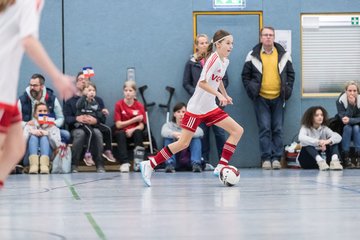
(8, 116)
(192, 121)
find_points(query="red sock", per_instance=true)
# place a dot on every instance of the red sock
(227, 153)
(160, 157)
(1, 184)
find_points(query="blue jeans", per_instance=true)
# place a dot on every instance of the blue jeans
(205, 141)
(195, 152)
(65, 138)
(35, 143)
(270, 117)
(350, 132)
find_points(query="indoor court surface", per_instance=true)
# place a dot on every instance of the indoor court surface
(285, 204)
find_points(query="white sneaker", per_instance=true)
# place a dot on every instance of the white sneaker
(323, 165)
(208, 167)
(146, 171)
(335, 165)
(125, 168)
(276, 165)
(218, 169)
(266, 165)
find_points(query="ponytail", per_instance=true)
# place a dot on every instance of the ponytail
(209, 50)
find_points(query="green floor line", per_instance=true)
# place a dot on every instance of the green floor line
(96, 227)
(72, 190)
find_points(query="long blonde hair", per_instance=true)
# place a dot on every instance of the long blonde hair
(5, 3)
(352, 82)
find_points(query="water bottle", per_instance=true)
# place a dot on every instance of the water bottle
(130, 74)
(323, 155)
(139, 153)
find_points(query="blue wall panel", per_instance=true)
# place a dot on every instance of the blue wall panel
(50, 35)
(155, 37)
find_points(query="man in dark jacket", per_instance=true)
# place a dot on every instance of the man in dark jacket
(268, 77)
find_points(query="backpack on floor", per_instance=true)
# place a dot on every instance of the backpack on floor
(62, 160)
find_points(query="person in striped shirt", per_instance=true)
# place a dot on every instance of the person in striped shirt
(202, 108)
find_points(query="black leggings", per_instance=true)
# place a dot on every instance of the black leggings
(123, 142)
(104, 129)
(307, 156)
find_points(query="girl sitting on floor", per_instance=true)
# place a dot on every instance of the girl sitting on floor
(319, 143)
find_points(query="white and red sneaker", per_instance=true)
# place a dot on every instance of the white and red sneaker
(218, 169)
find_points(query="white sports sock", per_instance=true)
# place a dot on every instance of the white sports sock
(319, 158)
(334, 157)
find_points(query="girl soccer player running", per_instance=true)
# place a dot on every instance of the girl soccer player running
(19, 21)
(202, 108)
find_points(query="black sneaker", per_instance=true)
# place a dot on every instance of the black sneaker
(169, 169)
(74, 169)
(19, 169)
(357, 162)
(196, 167)
(348, 164)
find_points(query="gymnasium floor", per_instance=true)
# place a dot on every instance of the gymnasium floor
(285, 204)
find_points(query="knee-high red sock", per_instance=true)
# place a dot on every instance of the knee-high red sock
(160, 157)
(227, 153)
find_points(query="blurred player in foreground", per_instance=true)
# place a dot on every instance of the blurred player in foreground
(19, 24)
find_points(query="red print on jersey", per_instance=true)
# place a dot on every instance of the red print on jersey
(135, 112)
(216, 78)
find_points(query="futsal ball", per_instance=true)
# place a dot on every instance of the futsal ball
(229, 175)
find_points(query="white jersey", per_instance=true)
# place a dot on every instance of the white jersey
(213, 72)
(16, 22)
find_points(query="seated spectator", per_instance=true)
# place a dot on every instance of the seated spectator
(319, 143)
(78, 134)
(189, 157)
(348, 108)
(37, 92)
(41, 136)
(88, 106)
(130, 120)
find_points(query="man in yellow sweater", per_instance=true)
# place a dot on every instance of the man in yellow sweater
(268, 77)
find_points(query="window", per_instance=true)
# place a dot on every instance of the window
(330, 45)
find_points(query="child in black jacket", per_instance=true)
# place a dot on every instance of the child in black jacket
(87, 105)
